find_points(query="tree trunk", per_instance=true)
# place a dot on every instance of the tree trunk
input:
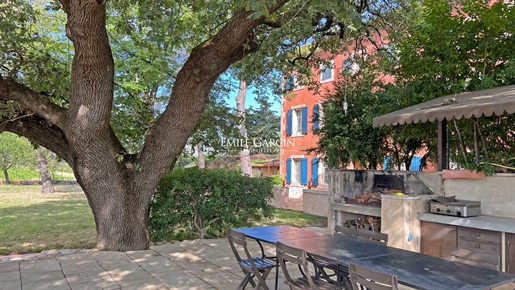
(121, 219)
(118, 185)
(201, 157)
(46, 179)
(246, 167)
(6, 176)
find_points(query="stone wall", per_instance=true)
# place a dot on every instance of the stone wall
(399, 215)
(315, 202)
(496, 193)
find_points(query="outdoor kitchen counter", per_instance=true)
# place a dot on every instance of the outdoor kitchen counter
(492, 223)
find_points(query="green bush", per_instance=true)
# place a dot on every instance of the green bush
(204, 203)
(277, 179)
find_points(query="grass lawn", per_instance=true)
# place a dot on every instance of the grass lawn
(31, 221)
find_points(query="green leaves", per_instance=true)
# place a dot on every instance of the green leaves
(206, 202)
(15, 151)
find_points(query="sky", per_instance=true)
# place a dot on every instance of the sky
(251, 100)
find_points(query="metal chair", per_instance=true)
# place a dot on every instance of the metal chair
(299, 257)
(329, 271)
(252, 266)
(365, 279)
(372, 236)
(485, 260)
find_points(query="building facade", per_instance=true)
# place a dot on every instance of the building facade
(298, 167)
(299, 106)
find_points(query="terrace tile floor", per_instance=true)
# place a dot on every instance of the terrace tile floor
(199, 264)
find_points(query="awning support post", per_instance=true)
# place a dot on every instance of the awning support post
(442, 144)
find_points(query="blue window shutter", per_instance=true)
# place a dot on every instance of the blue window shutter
(416, 163)
(316, 116)
(304, 171)
(314, 171)
(290, 82)
(304, 120)
(288, 170)
(289, 122)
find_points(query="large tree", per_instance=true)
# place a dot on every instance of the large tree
(75, 121)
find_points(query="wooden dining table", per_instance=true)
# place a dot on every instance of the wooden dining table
(412, 269)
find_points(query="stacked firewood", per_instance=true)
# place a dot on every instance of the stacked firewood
(370, 223)
(368, 197)
(375, 195)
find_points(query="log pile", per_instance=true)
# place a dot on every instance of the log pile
(370, 223)
(374, 196)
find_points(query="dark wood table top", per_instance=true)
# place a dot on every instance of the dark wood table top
(272, 234)
(413, 269)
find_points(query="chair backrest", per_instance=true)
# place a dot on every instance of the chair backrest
(361, 234)
(373, 236)
(365, 279)
(237, 238)
(351, 232)
(295, 256)
(485, 260)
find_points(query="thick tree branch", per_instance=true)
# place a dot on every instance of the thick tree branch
(168, 135)
(36, 102)
(40, 131)
(66, 6)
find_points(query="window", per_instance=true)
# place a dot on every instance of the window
(297, 171)
(318, 171)
(297, 121)
(350, 65)
(297, 125)
(318, 116)
(293, 82)
(327, 72)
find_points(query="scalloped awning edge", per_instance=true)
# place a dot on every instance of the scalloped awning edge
(496, 101)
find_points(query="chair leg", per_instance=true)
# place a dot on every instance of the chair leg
(262, 279)
(245, 281)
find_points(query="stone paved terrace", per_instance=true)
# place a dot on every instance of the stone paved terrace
(199, 264)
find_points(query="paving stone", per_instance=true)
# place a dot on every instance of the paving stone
(41, 277)
(184, 257)
(81, 267)
(167, 248)
(13, 276)
(142, 254)
(40, 266)
(60, 284)
(158, 265)
(92, 281)
(9, 267)
(10, 285)
(77, 259)
(182, 280)
(110, 258)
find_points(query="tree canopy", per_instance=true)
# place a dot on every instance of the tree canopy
(116, 88)
(449, 47)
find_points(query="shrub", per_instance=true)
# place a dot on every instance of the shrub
(277, 179)
(206, 202)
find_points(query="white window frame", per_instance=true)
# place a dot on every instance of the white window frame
(296, 170)
(324, 68)
(296, 119)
